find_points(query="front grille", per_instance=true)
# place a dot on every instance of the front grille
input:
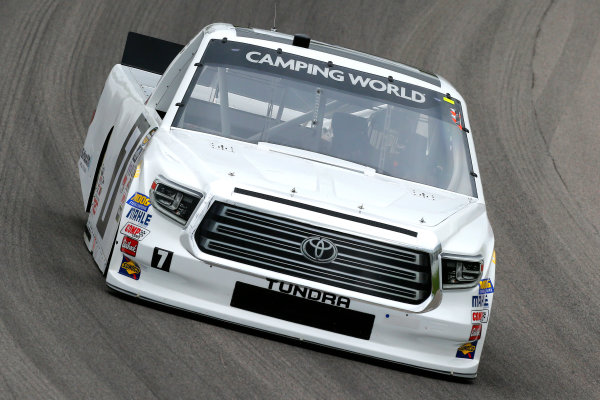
(273, 243)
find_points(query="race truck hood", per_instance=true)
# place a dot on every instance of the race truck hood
(197, 160)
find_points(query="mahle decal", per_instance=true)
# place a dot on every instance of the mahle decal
(139, 216)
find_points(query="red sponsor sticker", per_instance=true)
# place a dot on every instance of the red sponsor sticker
(476, 316)
(475, 332)
(129, 246)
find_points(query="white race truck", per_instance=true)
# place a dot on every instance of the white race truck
(295, 187)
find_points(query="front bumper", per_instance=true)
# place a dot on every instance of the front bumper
(428, 340)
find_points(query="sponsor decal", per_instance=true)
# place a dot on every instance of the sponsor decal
(485, 316)
(476, 316)
(134, 231)
(161, 259)
(149, 136)
(355, 79)
(98, 191)
(129, 269)
(467, 350)
(308, 293)
(84, 160)
(139, 201)
(129, 246)
(494, 257)
(456, 118)
(475, 332)
(486, 286)
(136, 155)
(480, 301)
(139, 216)
(132, 172)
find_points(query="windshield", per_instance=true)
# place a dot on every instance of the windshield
(254, 94)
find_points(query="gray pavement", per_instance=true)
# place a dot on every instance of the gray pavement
(529, 72)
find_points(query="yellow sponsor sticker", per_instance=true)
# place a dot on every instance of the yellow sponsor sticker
(467, 350)
(129, 269)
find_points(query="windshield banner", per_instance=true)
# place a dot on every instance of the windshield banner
(320, 72)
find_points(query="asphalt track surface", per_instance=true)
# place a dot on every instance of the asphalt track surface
(529, 72)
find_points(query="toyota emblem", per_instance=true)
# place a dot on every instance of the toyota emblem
(319, 249)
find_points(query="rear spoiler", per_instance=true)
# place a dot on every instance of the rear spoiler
(149, 53)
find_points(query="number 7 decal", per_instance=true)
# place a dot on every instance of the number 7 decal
(161, 259)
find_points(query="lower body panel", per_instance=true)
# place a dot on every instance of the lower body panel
(431, 340)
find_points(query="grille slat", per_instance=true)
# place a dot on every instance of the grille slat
(305, 268)
(327, 278)
(235, 233)
(298, 230)
(382, 269)
(363, 265)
